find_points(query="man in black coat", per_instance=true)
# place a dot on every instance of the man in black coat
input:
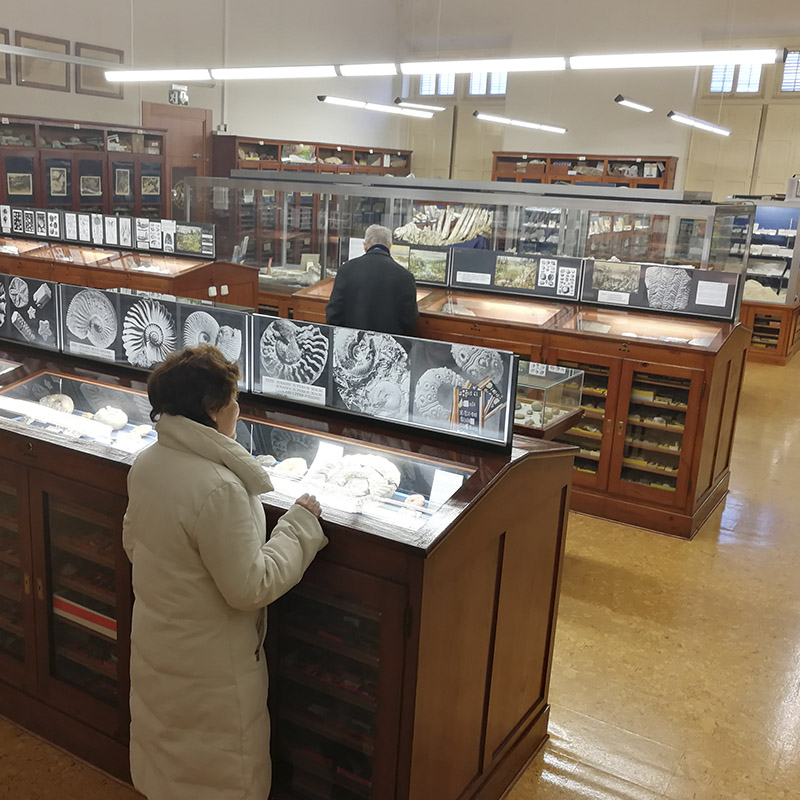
(373, 292)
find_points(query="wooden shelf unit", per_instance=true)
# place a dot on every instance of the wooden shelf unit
(90, 160)
(776, 331)
(522, 167)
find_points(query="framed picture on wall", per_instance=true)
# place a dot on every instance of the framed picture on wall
(19, 183)
(42, 73)
(90, 80)
(5, 58)
(58, 181)
(91, 186)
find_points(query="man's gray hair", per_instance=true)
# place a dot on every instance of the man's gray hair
(377, 234)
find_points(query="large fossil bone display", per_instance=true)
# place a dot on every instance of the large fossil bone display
(442, 226)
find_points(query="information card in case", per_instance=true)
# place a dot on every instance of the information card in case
(29, 311)
(663, 288)
(457, 389)
(553, 277)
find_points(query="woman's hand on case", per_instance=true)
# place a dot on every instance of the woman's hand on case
(310, 503)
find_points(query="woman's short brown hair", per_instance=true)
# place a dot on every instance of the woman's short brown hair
(191, 383)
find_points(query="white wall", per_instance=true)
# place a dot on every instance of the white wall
(197, 33)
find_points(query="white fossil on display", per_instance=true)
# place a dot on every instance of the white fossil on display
(114, 417)
(91, 316)
(293, 352)
(199, 328)
(415, 501)
(361, 475)
(60, 402)
(292, 466)
(267, 461)
(432, 225)
(18, 292)
(148, 333)
(141, 430)
(229, 343)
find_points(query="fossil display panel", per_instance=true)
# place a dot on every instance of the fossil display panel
(452, 388)
(85, 415)
(546, 394)
(29, 311)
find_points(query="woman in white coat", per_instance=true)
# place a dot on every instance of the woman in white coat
(203, 571)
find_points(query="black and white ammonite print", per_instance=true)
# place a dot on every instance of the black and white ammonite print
(293, 352)
(201, 328)
(148, 333)
(91, 316)
(372, 373)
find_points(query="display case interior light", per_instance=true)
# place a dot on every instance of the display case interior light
(624, 101)
(272, 73)
(519, 123)
(156, 75)
(695, 58)
(549, 64)
(701, 124)
(344, 101)
(421, 106)
(367, 70)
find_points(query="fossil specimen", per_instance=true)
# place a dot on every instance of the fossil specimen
(199, 328)
(362, 475)
(293, 352)
(60, 402)
(433, 395)
(114, 417)
(18, 292)
(19, 323)
(42, 296)
(292, 466)
(478, 363)
(91, 316)
(148, 333)
(229, 342)
(667, 288)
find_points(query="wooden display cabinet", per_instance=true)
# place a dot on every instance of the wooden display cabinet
(76, 166)
(776, 331)
(519, 167)
(236, 284)
(411, 662)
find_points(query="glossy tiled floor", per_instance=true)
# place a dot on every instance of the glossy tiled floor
(677, 664)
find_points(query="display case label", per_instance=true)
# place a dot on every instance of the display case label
(712, 294)
(83, 349)
(290, 390)
(619, 298)
(483, 278)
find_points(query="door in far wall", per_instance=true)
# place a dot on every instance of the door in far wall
(188, 149)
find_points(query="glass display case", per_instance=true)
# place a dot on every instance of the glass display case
(16, 247)
(501, 309)
(85, 415)
(546, 394)
(8, 366)
(12, 636)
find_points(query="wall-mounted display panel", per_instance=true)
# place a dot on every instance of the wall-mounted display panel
(29, 311)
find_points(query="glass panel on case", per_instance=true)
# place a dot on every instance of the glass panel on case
(546, 394)
(497, 308)
(83, 592)
(7, 366)
(11, 632)
(351, 477)
(93, 416)
(328, 662)
(654, 434)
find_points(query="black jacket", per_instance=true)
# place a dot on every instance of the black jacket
(374, 293)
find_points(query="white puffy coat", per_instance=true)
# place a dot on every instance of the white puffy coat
(203, 571)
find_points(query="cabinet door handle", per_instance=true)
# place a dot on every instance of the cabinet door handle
(40, 588)
(621, 427)
(26, 582)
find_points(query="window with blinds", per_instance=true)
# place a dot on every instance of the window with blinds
(427, 84)
(447, 83)
(477, 82)
(791, 72)
(722, 78)
(749, 79)
(481, 83)
(497, 85)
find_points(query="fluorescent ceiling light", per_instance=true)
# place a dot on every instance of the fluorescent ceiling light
(367, 70)
(702, 124)
(537, 126)
(271, 73)
(700, 58)
(484, 65)
(623, 101)
(343, 101)
(148, 75)
(403, 104)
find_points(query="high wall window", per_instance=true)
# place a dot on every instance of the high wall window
(492, 83)
(791, 72)
(434, 84)
(745, 77)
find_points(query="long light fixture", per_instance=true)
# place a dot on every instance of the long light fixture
(344, 101)
(538, 126)
(484, 65)
(698, 58)
(367, 70)
(702, 124)
(623, 101)
(272, 73)
(152, 75)
(403, 104)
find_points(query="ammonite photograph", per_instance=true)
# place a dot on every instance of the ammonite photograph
(293, 351)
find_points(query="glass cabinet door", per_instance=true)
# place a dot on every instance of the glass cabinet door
(592, 435)
(656, 419)
(336, 663)
(81, 579)
(16, 616)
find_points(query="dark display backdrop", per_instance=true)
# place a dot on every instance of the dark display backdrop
(460, 390)
(552, 277)
(29, 311)
(662, 289)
